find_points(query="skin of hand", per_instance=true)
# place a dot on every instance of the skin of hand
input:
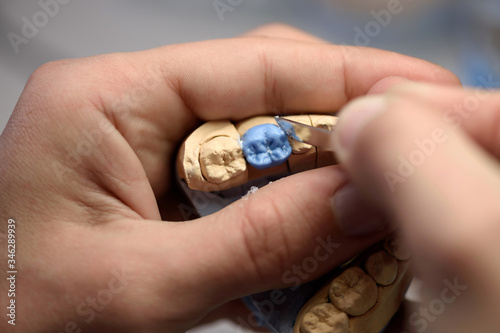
(86, 162)
(433, 156)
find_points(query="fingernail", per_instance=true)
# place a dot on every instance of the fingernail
(354, 117)
(354, 214)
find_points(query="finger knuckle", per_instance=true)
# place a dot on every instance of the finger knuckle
(49, 74)
(274, 27)
(264, 237)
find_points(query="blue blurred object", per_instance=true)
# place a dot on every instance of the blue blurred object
(265, 146)
(478, 25)
(460, 35)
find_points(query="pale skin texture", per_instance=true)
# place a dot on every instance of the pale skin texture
(77, 220)
(448, 208)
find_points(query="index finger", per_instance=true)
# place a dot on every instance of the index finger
(242, 77)
(235, 79)
(155, 97)
(239, 78)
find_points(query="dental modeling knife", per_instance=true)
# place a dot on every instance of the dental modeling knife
(318, 137)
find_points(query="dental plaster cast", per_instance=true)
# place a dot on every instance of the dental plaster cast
(303, 155)
(324, 157)
(353, 292)
(324, 318)
(212, 159)
(353, 301)
(364, 295)
(220, 159)
(382, 267)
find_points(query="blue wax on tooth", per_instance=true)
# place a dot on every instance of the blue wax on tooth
(265, 146)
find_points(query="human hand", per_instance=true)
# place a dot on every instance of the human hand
(430, 156)
(89, 149)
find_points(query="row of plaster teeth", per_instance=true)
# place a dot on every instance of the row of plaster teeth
(222, 159)
(354, 292)
(212, 158)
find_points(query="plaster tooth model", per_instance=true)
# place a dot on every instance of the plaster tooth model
(213, 157)
(325, 318)
(298, 147)
(353, 292)
(363, 294)
(356, 294)
(221, 160)
(214, 148)
(324, 157)
(303, 155)
(382, 267)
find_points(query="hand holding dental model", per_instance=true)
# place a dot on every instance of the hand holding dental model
(220, 155)
(86, 168)
(359, 297)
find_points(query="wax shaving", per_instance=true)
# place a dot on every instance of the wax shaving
(252, 190)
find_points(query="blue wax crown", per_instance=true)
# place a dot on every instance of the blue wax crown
(265, 146)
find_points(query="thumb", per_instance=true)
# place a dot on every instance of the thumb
(435, 180)
(284, 234)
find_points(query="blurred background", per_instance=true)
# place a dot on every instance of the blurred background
(461, 35)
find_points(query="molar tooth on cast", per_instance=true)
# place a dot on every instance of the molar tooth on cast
(324, 157)
(221, 159)
(382, 267)
(197, 165)
(325, 318)
(353, 291)
(265, 146)
(303, 155)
